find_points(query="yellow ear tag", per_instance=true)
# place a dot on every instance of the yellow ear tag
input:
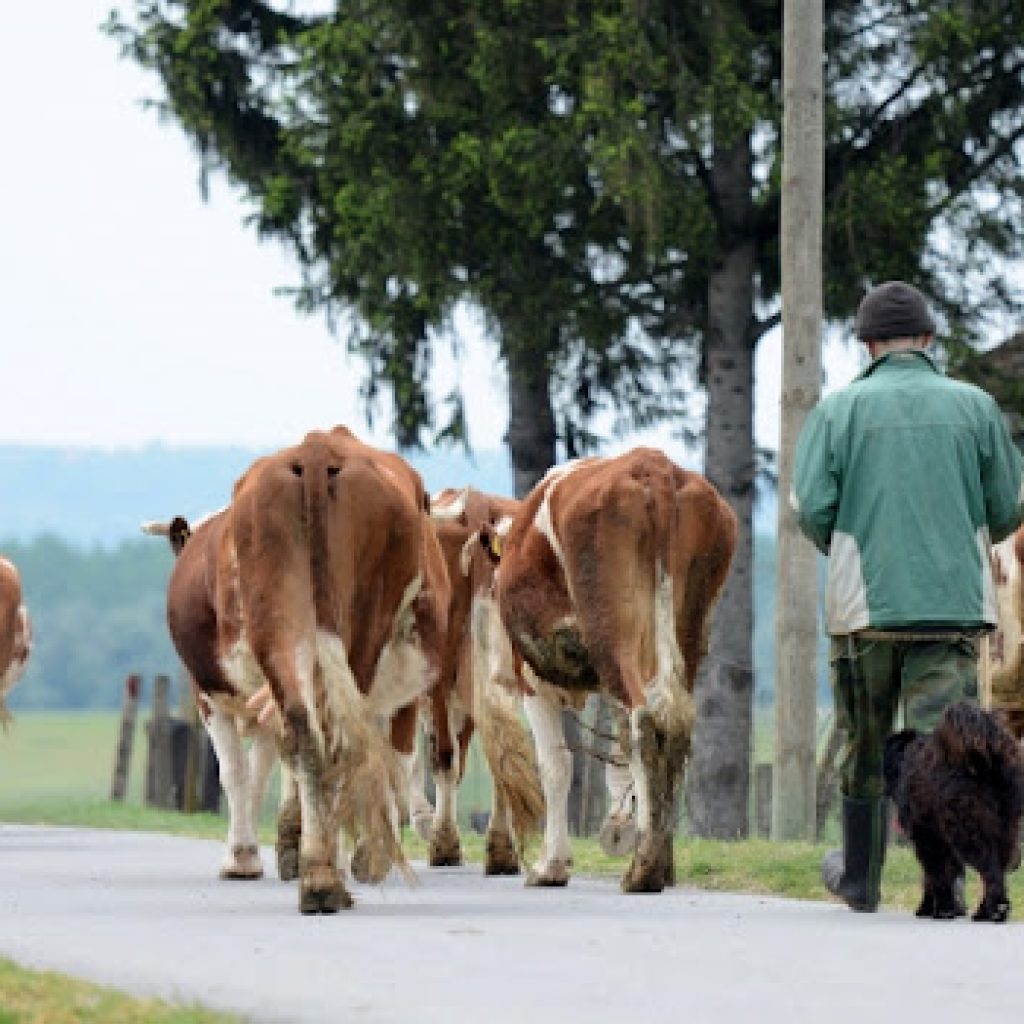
(497, 542)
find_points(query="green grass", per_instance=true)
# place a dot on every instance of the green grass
(43, 997)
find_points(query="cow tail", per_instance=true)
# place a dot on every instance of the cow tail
(371, 790)
(316, 497)
(507, 745)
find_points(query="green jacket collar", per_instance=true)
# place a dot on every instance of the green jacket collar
(901, 356)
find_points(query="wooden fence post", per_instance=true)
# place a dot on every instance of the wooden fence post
(763, 799)
(158, 765)
(123, 758)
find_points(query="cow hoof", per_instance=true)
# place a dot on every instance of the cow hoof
(553, 875)
(287, 863)
(617, 836)
(323, 892)
(645, 875)
(445, 848)
(423, 824)
(370, 864)
(643, 881)
(501, 857)
(242, 863)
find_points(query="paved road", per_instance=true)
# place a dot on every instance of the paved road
(146, 914)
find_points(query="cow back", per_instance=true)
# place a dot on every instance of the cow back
(602, 555)
(330, 536)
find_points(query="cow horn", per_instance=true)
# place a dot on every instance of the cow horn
(155, 529)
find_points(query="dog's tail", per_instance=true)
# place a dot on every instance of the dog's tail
(978, 742)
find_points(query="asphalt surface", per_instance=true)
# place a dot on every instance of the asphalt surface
(146, 914)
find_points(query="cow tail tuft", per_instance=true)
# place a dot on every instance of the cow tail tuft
(507, 745)
(372, 796)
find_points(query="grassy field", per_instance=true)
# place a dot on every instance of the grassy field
(43, 997)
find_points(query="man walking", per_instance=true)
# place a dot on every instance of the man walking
(903, 478)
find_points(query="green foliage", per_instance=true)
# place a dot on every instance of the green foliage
(97, 616)
(416, 155)
(558, 164)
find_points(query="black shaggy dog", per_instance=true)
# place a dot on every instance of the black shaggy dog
(959, 793)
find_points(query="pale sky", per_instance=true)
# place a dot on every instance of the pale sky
(132, 312)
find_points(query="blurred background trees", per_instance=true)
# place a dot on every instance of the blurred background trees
(601, 180)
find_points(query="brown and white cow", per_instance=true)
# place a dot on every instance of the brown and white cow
(328, 588)
(15, 633)
(607, 577)
(1004, 649)
(470, 695)
(192, 617)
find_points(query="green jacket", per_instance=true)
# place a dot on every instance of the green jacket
(905, 478)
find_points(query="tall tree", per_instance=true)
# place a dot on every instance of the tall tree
(416, 155)
(581, 169)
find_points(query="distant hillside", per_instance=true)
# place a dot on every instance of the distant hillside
(89, 497)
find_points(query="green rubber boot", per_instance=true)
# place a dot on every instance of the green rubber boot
(854, 874)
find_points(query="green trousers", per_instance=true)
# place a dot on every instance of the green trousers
(875, 677)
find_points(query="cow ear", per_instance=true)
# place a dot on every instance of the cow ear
(179, 533)
(491, 542)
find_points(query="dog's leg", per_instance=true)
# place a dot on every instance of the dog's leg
(940, 869)
(995, 903)
(926, 908)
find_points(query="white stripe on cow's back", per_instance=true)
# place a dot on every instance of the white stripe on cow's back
(205, 519)
(542, 521)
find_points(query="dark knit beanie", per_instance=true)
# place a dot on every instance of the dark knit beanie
(893, 310)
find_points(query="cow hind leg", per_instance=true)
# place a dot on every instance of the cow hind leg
(656, 760)
(555, 761)
(321, 887)
(289, 827)
(501, 856)
(421, 814)
(242, 856)
(445, 844)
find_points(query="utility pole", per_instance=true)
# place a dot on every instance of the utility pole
(796, 597)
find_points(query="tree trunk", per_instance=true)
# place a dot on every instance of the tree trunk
(531, 420)
(718, 783)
